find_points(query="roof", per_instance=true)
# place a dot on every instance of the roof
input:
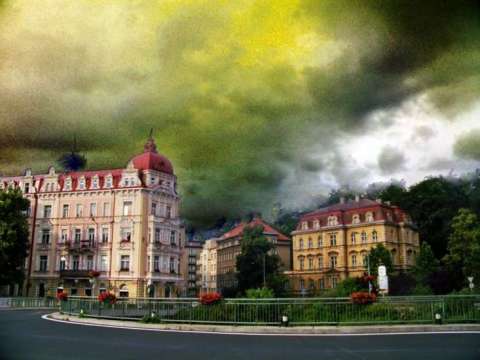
(267, 229)
(151, 159)
(348, 205)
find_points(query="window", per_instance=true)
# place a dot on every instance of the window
(65, 210)
(320, 241)
(47, 211)
(157, 235)
(333, 239)
(43, 263)
(27, 188)
(105, 235)
(45, 236)
(63, 263)
(103, 263)
(81, 183)
(91, 235)
(300, 244)
(125, 263)
(364, 237)
(353, 237)
(93, 209)
(95, 182)
(76, 262)
(73, 291)
(126, 234)
(108, 182)
(316, 224)
(68, 184)
(302, 263)
(173, 238)
(332, 220)
(334, 281)
(79, 210)
(64, 236)
(106, 209)
(123, 291)
(168, 211)
(354, 260)
(320, 262)
(304, 225)
(310, 243)
(364, 259)
(78, 235)
(321, 284)
(302, 284)
(156, 263)
(310, 263)
(355, 219)
(153, 210)
(127, 208)
(172, 265)
(333, 261)
(89, 262)
(374, 236)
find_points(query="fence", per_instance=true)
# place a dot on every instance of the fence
(28, 303)
(308, 311)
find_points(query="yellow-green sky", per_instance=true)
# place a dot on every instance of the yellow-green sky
(253, 101)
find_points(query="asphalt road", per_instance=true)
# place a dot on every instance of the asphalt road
(24, 335)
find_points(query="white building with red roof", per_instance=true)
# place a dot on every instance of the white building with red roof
(116, 229)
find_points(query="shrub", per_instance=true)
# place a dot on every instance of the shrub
(62, 296)
(422, 290)
(363, 297)
(263, 293)
(107, 298)
(151, 319)
(210, 298)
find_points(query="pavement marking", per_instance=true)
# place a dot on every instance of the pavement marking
(46, 317)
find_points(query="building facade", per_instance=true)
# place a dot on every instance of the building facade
(116, 230)
(229, 247)
(191, 253)
(332, 243)
(207, 267)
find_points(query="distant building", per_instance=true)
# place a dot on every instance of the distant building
(191, 253)
(331, 243)
(229, 247)
(92, 231)
(207, 267)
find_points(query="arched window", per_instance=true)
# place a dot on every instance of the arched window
(333, 261)
(364, 237)
(374, 236)
(123, 291)
(355, 219)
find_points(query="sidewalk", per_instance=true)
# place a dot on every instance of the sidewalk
(269, 330)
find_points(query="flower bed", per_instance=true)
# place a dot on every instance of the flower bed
(210, 298)
(363, 297)
(62, 296)
(107, 298)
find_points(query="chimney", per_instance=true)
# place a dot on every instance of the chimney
(342, 200)
(357, 198)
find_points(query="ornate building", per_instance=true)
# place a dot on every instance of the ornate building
(331, 243)
(207, 267)
(116, 229)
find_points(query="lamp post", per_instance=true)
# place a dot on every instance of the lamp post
(368, 272)
(470, 283)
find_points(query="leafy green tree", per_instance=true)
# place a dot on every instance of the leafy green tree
(256, 256)
(426, 264)
(464, 244)
(13, 236)
(380, 255)
(395, 193)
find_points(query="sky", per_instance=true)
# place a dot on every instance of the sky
(254, 102)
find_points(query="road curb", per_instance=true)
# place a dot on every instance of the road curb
(270, 330)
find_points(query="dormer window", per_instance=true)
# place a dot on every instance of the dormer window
(94, 182)
(332, 220)
(369, 217)
(305, 225)
(68, 184)
(26, 188)
(316, 224)
(108, 181)
(355, 219)
(81, 183)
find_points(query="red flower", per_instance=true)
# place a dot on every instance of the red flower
(107, 298)
(210, 298)
(62, 296)
(363, 297)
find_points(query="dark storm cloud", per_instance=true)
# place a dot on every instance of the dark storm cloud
(467, 145)
(245, 98)
(391, 160)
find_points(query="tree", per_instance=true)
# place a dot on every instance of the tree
(13, 236)
(380, 255)
(256, 256)
(426, 264)
(464, 244)
(72, 161)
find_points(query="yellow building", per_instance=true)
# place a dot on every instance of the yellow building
(331, 243)
(115, 229)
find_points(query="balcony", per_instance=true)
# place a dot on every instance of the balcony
(82, 245)
(75, 273)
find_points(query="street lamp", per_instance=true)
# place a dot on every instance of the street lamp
(470, 283)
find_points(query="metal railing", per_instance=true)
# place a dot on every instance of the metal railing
(28, 303)
(307, 311)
